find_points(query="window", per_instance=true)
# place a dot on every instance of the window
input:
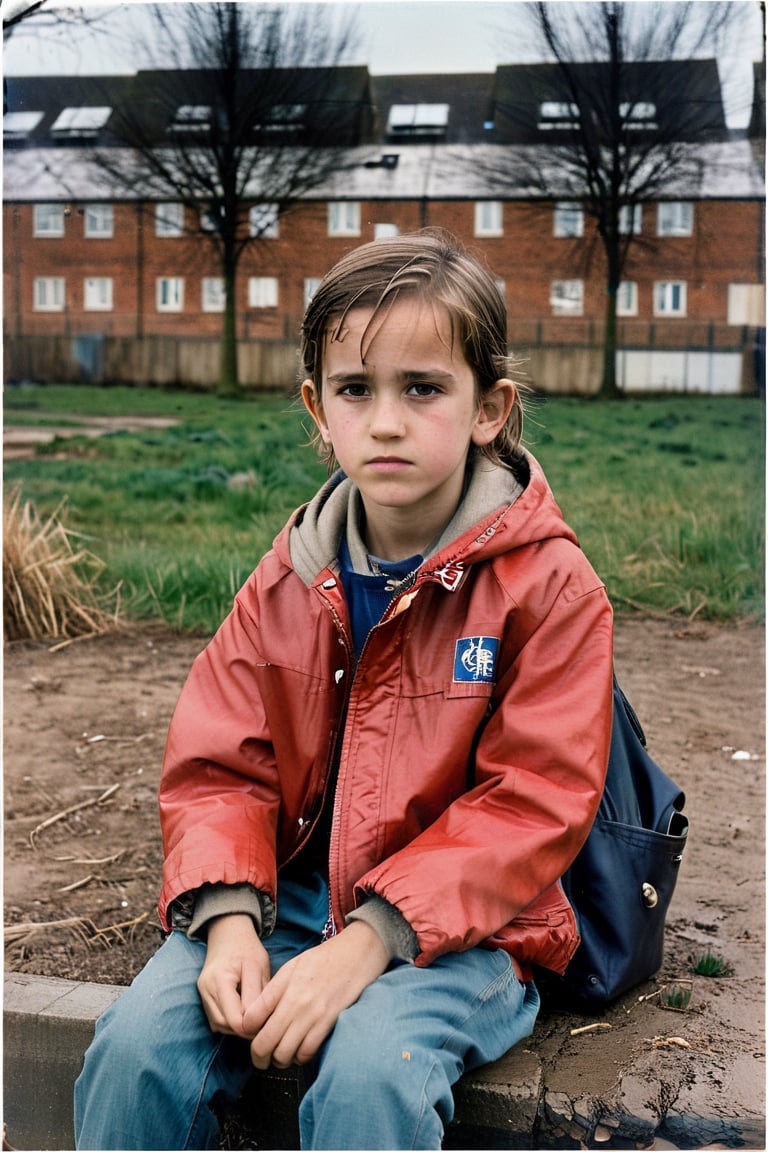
(344, 218)
(639, 114)
(283, 118)
(262, 291)
(191, 118)
(80, 123)
(489, 218)
(98, 221)
(631, 219)
(213, 299)
(385, 231)
(669, 298)
(48, 294)
(558, 114)
(412, 120)
(97, 294)
(264, 221)
(501, 286)
(311, 285)
(626, 298)
(746, 304)
(569, 219)
(567, 297)
(169, 219)
(169, 293)
(18, 125)
(48, 220)
(208, 220)
(675, 218)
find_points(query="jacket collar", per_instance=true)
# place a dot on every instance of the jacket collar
(315, 533)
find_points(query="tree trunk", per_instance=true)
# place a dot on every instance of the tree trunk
(229, 383)
(609, 389)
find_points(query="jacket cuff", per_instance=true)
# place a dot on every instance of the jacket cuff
(389, 923)
(214, 900)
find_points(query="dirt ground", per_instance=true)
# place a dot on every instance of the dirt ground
(84, 733)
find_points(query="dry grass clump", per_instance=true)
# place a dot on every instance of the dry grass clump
(49, 584)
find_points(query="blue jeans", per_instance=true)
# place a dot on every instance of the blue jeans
(382, 1079)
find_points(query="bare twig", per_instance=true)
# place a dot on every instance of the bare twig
(58, 816)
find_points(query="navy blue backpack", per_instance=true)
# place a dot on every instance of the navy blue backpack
(621, 883)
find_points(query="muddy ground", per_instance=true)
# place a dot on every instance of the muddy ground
(84, 733)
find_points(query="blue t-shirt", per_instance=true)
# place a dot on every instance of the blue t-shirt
(368, 594)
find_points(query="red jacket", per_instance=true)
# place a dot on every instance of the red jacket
(471, 740)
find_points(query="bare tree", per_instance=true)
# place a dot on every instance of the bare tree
(268, 122)
(631, 121)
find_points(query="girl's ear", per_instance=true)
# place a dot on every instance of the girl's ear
(314, 406)
(493, 412)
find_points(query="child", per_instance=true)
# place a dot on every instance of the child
(386, 757)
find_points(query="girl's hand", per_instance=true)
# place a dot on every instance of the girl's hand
(235, 971)
(299, 1006)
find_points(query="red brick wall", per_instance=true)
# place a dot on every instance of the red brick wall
(726, 247)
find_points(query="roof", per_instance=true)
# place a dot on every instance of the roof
(724, 170)
(684, 95)
(516, 104)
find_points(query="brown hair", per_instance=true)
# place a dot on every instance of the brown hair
(432, 266)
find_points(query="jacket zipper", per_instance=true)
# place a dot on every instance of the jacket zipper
(330, 928)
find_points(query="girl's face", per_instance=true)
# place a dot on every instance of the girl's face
(399, 406)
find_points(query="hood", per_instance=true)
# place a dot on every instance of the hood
(502, 508)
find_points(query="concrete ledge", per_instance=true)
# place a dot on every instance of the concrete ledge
(47, 1025)
(543, 1094)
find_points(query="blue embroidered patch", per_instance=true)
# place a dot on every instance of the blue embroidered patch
(475, 659)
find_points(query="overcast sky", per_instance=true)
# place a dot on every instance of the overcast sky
(395, 36)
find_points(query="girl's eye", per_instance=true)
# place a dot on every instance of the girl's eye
(423, 389)
(355, 391)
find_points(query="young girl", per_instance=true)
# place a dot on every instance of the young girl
(384, 760)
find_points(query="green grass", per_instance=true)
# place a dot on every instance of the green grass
(666, 495)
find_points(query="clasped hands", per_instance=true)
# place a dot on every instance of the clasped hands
(287, 1016)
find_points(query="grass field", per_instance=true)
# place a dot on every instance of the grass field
(666, 494)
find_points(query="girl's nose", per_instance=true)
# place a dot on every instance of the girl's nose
(386, 418)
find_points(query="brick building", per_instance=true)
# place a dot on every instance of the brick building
(105, 279)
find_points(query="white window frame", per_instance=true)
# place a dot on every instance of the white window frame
(344, 218)
(630, 219)
(264, 221)
(191, 118)
(212, 295)
(311, 285)
(263, 291)
(19, 125)
(568, 219)
(674, 218)
(566, 297)
(49, 294)
(169, 293)
(84, 122)
(670, 298)
(98, 221)
(627, 299)
(638, 114)
(48, 220)
(414, 120)
(169, 218)
(746, 305)
(98, 293)
(489, 218)
(384, 231)
(558, 114)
